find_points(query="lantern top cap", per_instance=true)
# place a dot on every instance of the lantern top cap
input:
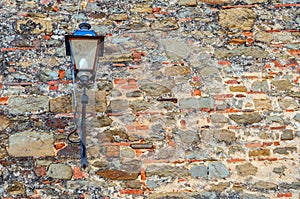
(84, 30)
(84, 26)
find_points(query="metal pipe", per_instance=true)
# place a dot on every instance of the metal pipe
(84, 102)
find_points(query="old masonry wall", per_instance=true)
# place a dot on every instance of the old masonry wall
(192, 99)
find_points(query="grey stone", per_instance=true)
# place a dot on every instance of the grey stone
(134, 94)
(217, 170)
(176, 49)
(127, 153)
(118, 105)
(287, 134)
(183, 195)
(241, 51)
(260, 86)
(154, 89)
(285, 150)
(151, 184)
(293, 185)
(246, 118)
(199, 171)
(297, 117)
(209, 71)
(275, 119)
(280, 170)
(197, 103)
(189, 137)
(218, 118)
(260, 185)
(166, 171)
(251, 196)
(26, 144)
(31, 104)
(139, 105)
(60, 171)
(224, 135)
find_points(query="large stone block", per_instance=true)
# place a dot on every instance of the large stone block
(60, 171)
(237, 19)
(31, 104)
(197, 103)
(31, 143)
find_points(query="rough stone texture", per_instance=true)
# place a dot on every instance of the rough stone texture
(217, 170)
(192, 99)
(239, 51)
(199, 171)
(175, 49)
(4, 123)
(237, 19)
(117, 175)
(247, 118)
(224, 135)
(246, 169)
(153, 89)
(30, 143)
(31, 104)
(165, 171)
(197, 103)
(61, 105)
(60, 171)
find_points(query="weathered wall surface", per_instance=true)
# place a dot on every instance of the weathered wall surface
(193, 99)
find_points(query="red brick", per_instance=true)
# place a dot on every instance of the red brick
(17, 48)
(277, 127)
(223, 96)
(143, 174)
(4, 100)
(253, 145)
(156, 10)
(61, 74)
(232, 81)
(287, 5)
(132, 191)
(40, 171)
(119, 65)
(233, 160)
(294, 52)
(53, 87)
(120, 81)
(78, 174)
(238, 6)
(60, 145)
(196, 92)
(224, 63)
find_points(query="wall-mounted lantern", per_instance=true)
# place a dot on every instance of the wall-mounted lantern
(84, 46)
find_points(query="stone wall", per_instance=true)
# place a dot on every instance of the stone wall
(193, 99)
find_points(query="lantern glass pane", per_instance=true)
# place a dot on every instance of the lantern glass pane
(84, 53)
